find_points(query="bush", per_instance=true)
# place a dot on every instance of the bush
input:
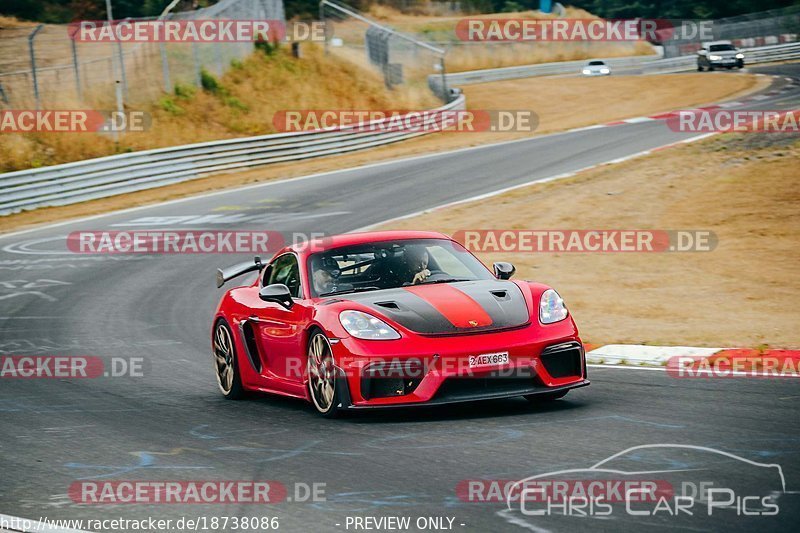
(169, 105)
(235, 103)
(512, 7)
(267, 47)
(184, 91)
(209, 82)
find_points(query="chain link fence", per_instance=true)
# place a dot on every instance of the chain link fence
(402, 58)
(42, 66)
(776, 26)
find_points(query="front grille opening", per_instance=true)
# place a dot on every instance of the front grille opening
(385, 380)
(563, 362)
(387, 387)
(468, 386)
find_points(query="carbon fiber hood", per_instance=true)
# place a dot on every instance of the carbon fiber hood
(450, 308)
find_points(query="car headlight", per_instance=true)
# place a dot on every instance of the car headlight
(715, 58)
(587, 71)
(739, 56)
(604, 70)
(552, 308)
(364, 326)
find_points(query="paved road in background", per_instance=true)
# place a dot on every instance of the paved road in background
(173, 424)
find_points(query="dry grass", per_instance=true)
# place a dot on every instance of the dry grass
(744, 293)
(251, 95)
(565, 103)
(13, 23)
(463, 56)
(497, 55)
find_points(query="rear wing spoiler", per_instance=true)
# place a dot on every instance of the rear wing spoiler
(226, 274)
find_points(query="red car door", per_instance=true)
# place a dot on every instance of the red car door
(278, 330)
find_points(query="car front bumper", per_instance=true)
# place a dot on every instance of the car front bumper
(727, 63)
(436, 370)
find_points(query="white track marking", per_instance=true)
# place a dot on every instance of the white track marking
(527, 184)
(283, 181)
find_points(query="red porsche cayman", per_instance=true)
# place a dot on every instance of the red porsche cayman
(391, 319)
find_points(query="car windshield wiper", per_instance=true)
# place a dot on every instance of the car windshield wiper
(447, 280)
(355, 289)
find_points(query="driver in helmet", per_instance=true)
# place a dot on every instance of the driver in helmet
(417, 259)
(325, 275)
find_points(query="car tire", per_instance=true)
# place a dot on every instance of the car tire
(711, 68)
(323, 380)
(226, 366)
(546, 397)
(699, 67)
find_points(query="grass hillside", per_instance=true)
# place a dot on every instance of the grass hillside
(240, 103)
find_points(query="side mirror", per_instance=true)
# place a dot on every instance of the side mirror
(503, 270)
(278, 293)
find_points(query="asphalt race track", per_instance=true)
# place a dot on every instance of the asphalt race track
(172, 423)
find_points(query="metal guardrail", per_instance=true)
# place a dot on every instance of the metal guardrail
(107, 176)
(541, 69)
(635, 64)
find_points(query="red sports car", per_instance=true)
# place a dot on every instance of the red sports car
(391, 319)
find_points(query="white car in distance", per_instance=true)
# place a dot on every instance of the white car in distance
(596, 68)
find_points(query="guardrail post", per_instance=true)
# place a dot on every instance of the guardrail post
(123, 74)
(77, 68)
(324, 26)
(196, 60)
(218, 57)
(31, 37)
(165, 67)
(117, 87)
(445, 91)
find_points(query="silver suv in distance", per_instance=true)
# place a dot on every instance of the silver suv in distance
(719, 54)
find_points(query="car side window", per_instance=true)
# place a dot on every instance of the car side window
(266, 275)
(286, 270)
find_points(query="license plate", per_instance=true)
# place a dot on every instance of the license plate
(488, 359)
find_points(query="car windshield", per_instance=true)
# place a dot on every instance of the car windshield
(721, 47)
(391, 264)
(596, 63)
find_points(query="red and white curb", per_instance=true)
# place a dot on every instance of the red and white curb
(705, 109)
(643, 355)
(691, 361)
